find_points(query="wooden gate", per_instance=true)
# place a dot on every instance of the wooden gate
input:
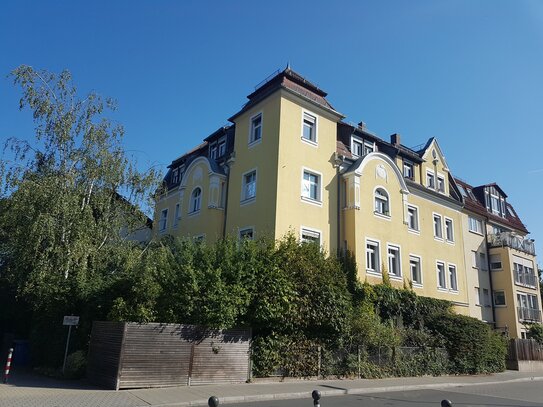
(131, 355)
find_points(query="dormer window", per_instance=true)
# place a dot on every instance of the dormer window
(430, 180)
(222, 148)
(360, 148)
(495, 203)
(175, 176)
(440, 184)
(408, 170)
(213, 152)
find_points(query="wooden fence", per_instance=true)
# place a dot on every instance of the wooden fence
(131, 355)
(525, 355)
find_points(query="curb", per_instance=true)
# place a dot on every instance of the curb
(332, 393)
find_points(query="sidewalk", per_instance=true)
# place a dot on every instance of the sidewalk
(26, 390)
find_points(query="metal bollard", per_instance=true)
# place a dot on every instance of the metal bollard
(446, 403)
(316, 398)
(8, 365)
(213, 401)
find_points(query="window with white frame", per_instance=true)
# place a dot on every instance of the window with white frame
(394, 261)
(440, 184)
(309, 131)
(311, 186)
(430, 180)
(483, 265)
(162, 223)
(528, 307)
(372, 256)
(412, 218)
(408, 170)
(310, 236)
(475, 259)
(453, 283)
(249, 186)
(415, 269)
(177, 215)
(369, 147)
(196, 200)
(499, 298)
(382, 204)
(222, 148)
(256, 128)
(477, 296)
(246, 233)
(175, 176)
(495, 262)
(438, 226)
(475, 225)
(357, 148)
(441, 278)
(213, 151)
(449, 230)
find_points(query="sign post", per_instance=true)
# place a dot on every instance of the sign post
(69, 320)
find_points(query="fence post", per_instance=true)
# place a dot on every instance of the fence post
(358, 348)
(8, 365)
(319, 350)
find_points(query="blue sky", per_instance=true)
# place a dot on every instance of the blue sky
(468, 72)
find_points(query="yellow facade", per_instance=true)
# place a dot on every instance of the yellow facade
(289, 163)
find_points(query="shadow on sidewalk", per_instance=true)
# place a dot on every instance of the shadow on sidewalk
(21, 377)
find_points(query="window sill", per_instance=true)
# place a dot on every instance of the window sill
(195, 213)
(381, 215)
(374, 273)
(451, 242)
(417, 285)
(395, 277)
(247, 201)
(525, 285)
(311, 201)
(442, 289)
(476, 233)
(414, 231)
(310, 142)
(254, 143)
(500, 306)
(439, 239)
(455, 292)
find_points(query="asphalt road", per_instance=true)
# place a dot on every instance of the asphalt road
(522, 394)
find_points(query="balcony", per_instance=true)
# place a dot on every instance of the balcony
(508, 239)
(528, 314)
(526, 279)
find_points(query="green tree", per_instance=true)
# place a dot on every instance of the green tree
(70, 198)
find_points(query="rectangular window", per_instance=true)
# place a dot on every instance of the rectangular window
(486, 297)
(441, 184)
(438, 228)
(415, 268)
(475, 225)
(311, 188)
(495, 262)
(177, 216)
(213, 152)
(499, 298)
(452, 278)
(483, 265)
(249, 186)
(310, 236)
(372, 257)
(175, 176)
(222, 148)
(412, 218)
(357, 148)
(163, 220)
(246, 233)
(256, 128)
(449, 231)
(475, 259)
(394, 261)
(368, 147)
(309, 132)
(408, 170)
(477, 296)
(441, 279)
(430, 180)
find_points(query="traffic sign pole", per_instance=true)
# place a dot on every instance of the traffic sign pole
(66, 351)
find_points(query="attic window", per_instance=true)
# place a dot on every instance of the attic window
(175, 176)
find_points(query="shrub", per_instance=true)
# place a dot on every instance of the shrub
(76, 363)
(535, 331)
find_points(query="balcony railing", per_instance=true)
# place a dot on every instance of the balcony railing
(529, 314)
(508, 239)
(526, 279)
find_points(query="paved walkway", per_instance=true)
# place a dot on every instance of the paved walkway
(25, 390)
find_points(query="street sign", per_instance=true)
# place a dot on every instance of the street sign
(70, 320)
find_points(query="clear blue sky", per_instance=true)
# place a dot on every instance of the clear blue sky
(468, 72)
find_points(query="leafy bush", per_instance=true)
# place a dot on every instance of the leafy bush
(473, 348)
(535, 331)
(76, 363)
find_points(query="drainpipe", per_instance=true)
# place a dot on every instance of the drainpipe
(227, 170)
(490, 278)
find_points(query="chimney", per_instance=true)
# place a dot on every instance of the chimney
(362, 125)
(395, 139)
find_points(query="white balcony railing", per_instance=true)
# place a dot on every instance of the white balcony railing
(508, 239)
(529, 314)
(525, 278)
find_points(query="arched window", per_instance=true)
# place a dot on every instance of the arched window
(382, 205)
(196, 200)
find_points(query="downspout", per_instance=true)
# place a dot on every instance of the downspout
(338, 210)
(227, 170)
(490, 278)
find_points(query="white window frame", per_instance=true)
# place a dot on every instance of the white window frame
(415, 209)
(430, 175)
(496, 262)
(411, 166)
(453, 284)
(440, 184)
(213, 151)
(306, 192)
(245, 198)
(434, 226)
(418, 260)
(376, 245)
(177, 215)
(311, 117)
(369, 147)
(396, 258)
(358, 142)
(252, 128)
(478, 296)
(387, 203)
(175, 176)
(163, 221)
(443, 265)
(195, 202)
(221, 148)
(475, 225)
(475, 259)
(243, 231)
(315, 235)
(449, 221)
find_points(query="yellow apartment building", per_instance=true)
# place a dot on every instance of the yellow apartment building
(290, 163)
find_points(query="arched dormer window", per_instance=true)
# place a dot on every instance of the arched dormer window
(196, 200)
(382, 204)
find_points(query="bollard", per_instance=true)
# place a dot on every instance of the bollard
(446, 403)
(316, 398)
(213, 401)
(8, 365)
